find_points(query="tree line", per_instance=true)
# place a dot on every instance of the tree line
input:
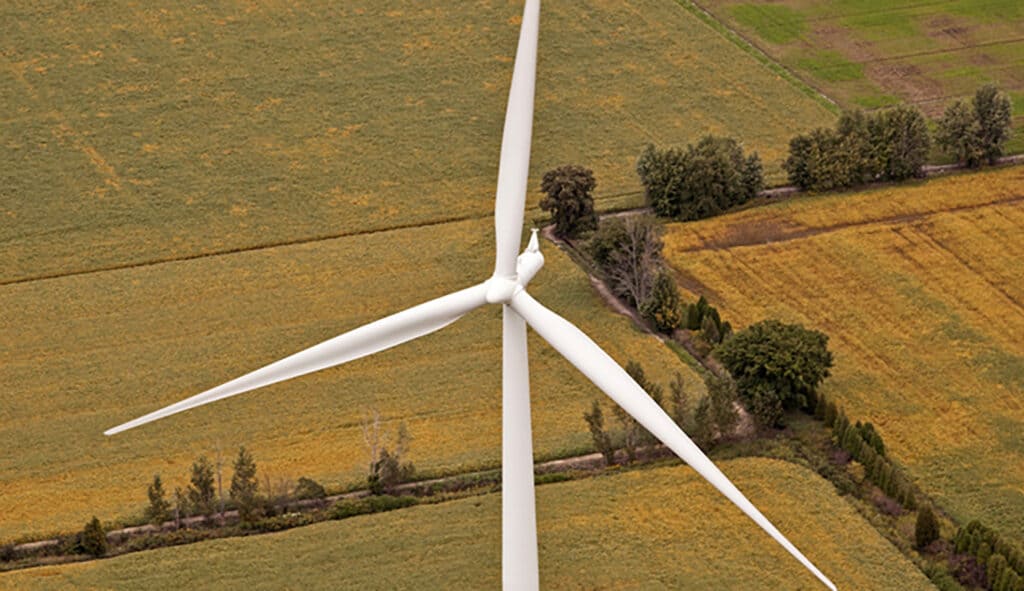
(714, 175)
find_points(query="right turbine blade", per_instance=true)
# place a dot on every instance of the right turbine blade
(368, 339)
(602, 370)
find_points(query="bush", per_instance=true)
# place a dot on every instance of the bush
(703, 181)
(926, 530)
(307, 488)
(776, 366)
(376, 504)
(569, 198)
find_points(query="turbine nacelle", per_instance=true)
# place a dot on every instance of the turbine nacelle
(501, 290)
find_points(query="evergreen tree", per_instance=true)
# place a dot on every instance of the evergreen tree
(830, 413)
(636, 434)
(244, 486)
(663, 307)
(602, 440)
(569, 197)
(819, 407)
(93, 540)
(984, 552)
(961, 541)
(680, 401)
(926, 530)
(201, 492)
(716, 415)
(158, 510)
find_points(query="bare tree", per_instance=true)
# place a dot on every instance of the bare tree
(628, 250)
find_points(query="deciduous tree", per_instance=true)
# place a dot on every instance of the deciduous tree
(776, 366)
(569, 199)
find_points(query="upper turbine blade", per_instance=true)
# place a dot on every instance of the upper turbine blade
(360, 342)
(514, 169)
(616, 383)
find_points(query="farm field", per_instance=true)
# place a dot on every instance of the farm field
(135, 134)
(919, 289)
(83, 353)
(635, 530)
(873, 53)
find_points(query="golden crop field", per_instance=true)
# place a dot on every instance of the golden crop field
(134, 133)
(919, 288)
(81, 354)
(650, 529)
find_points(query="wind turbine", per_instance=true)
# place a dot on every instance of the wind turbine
(507, 287)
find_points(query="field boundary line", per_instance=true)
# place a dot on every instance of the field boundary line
(241, 249)
(752, 49)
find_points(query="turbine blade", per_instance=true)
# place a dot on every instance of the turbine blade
(360, 342)
(602, 370)
(514, 169)
(518, 509)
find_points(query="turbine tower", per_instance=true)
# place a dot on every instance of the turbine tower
(506, 287)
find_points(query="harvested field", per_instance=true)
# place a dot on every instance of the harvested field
(81, 354)
(134, 134)
(919, 289)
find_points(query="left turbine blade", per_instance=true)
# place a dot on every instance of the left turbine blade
(514, 167)
(606, 374)
(360, 342)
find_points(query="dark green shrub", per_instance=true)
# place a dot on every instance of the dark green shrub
(926, 529)
(307, 488)
(374, 504)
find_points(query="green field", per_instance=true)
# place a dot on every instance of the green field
(919, 289)
(874, 53)
(133, 134)
(651, 529)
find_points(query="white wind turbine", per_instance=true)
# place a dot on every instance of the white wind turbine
(507, 286)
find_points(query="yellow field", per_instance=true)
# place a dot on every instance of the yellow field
(919, 288)
(81, 354)
(133, 133)
(653, 529)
